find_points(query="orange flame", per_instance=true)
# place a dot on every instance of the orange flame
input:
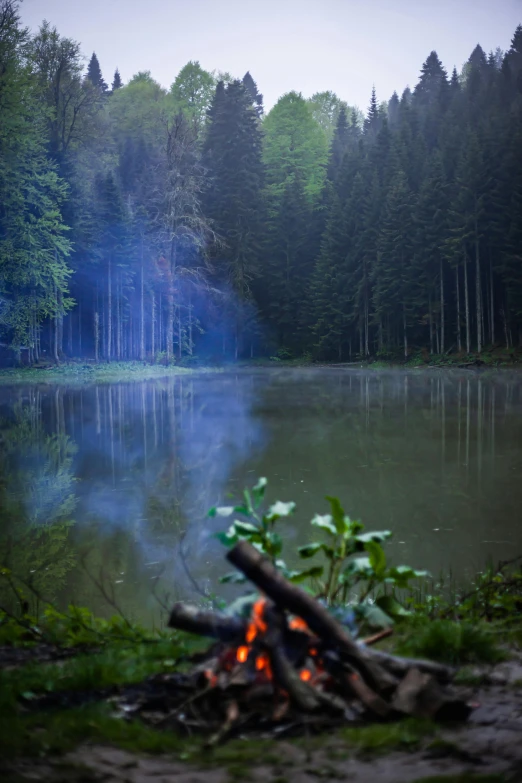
(242, 653)
(211, 677)
(298, 624)
(305, 675)
(257, 623)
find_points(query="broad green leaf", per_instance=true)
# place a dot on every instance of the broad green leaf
(244, 528)
(229, 538)
(401, 575)
(258, 492)
(276, 543)
(280, 509)
(359, 566)
(375, 535)
(311, 573)
(341, 524)
(325, 522)
(249, 509)
(391, 606)
(309, 550)
(377, 558)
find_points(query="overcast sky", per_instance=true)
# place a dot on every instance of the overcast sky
(304, 45)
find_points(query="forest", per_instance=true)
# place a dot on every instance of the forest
(138, 222)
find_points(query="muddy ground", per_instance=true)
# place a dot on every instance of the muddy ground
(487, 747)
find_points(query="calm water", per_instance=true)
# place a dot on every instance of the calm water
(107, 483)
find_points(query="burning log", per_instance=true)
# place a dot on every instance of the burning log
(267, 578)
(285, 674)
(216, 625)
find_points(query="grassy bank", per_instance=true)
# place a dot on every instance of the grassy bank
(85, 372)
(81, 372)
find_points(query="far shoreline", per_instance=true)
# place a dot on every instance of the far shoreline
(86, 371)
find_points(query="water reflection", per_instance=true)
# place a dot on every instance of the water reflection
(114, 477)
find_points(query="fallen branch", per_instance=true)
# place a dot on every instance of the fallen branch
(377, 637)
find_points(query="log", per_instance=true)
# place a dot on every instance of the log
(216, 625)
(401, 666)
(267, 578)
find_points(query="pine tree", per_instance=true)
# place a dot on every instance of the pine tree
(94, 74)
(372, 123)
(339, 146)
(393, 109)
(392, 296)
(431, 218)
(251, 88)
(232, 152)
(116, 82)
(433, 78)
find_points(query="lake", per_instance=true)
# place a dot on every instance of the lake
(104, 488)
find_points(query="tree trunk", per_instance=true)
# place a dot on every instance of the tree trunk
(55, 334)
(459, 341)
(109, 309)
(366, 324)
(491, 305)
(96, 337)
(160, 322)
(466, 305)
(142, 307)
(179, 333)
(478, 295)
(404, 331)
(79, 328)
(118, 317)
(170, 326)
(431, 323)
(441, 307)
(70, 334)
(190, 345)
(153, 325)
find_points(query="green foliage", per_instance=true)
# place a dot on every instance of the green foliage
(451, 642)
(355, 561)
(192, 92)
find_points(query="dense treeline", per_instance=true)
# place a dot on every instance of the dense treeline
(139, 222)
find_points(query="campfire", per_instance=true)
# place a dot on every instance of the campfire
(290, 663)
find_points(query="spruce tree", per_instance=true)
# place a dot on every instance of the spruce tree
(232, 152)
(339, 146)
(116, 82)
(94, 74)
(256, 97)
(433, 78)
(372, 123)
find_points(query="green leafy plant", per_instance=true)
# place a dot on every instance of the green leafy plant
(355, 560)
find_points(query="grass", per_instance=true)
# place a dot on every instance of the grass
(450, 642)
(84, 372)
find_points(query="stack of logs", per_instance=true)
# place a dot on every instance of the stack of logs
(294, 648)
